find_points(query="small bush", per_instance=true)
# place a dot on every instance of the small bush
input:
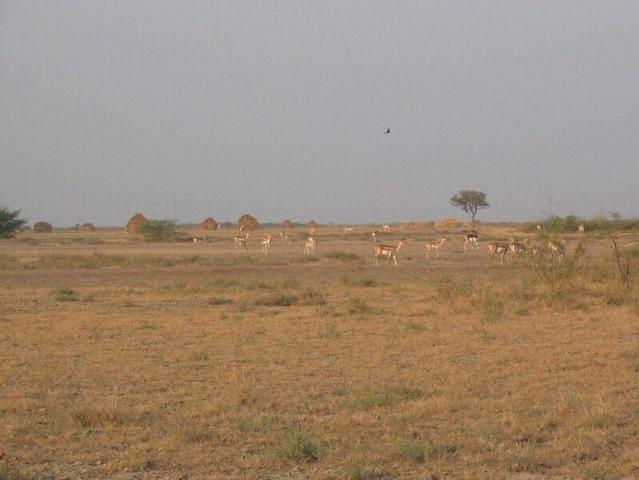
(313, 297)
(298, 448)
(360, 282)
(66, 294)
(280, 300)
(219, 301)
(358, 306)
(158, 230)
(342, 256)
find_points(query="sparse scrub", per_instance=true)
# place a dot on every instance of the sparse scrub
(360, 282)
(219, 301)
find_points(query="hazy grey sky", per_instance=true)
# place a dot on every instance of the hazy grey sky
(278, 108)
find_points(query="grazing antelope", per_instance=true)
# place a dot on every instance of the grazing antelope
(471, 241)
(349, 229)
(386, 228)
(266, 243)
(374, 236)
(434, 245)
(540, 227)
(557, 248)
(389, 251)
(197, 241)
(498, 248)
(309, 246)
(581, 228)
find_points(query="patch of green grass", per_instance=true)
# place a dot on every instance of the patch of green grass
(277, 300)
(314, 297)
(296, 446)
(411, 450)
(360, 282)
(603, 421)
(8, 261)
(342, 256)
(387, 397)
(522, 312)
(65, 294)
(219, 301)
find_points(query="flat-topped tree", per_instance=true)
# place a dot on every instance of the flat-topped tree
(10, 222)
(470, 201)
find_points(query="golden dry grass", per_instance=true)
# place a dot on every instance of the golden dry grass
(123, 359)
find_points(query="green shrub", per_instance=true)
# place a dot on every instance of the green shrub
(298, 448)
(279, 300)
(158, 230)
(65, 294)
(411, 450)
(342, 256)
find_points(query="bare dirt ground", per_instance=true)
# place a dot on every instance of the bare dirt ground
(127, 360)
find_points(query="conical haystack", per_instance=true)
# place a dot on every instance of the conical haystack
(87, 227)
(208, 224)
(247, 222)
(287, 224)
(42, 227)
(312, 225)
(133, 226)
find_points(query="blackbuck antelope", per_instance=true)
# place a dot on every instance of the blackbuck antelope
(266, 243)
(471, 241)
(434, 245)
(516, 247)
(386, 228)
(581, 228)
(557, 249)
(309, 246)
(388, 251)
(240, 240)
(197, 241)
(498, 248)
(349, 229)
(285, 237)
(374, 236)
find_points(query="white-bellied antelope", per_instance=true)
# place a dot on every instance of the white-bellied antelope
(388, 251)
(471, 241)
(309, 246)
(498, 248)
(581, 228)
(374, 236)
(434, 245)
(557, 249)
(349, 229)
(516, 247)
(266, 243)
(386, 228)
(197, 241)
(285, 237)
(240, 240)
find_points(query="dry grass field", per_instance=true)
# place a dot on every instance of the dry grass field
(130, 360)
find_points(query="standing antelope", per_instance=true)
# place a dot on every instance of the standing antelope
(197, 241)
(266, 243)
(240, 240)
(498, 248)
(386, 228)
(285, 237)
(517, 247)
(557, 249)
(309, 246)
(374, 236)
(581, 228)
(434, 245)
(389, 251)
(471, 241)
(349, 229)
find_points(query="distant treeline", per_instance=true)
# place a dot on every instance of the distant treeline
(571, 223)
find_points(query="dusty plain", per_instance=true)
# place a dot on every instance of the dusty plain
(131, 360)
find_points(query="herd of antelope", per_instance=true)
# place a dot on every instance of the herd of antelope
(501, 249)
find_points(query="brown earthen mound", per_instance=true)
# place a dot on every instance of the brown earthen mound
(247, 222)
(87, 227)
(42, 227)
(312, 224)
(287, 224)
(133, 226)
(208, 224)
